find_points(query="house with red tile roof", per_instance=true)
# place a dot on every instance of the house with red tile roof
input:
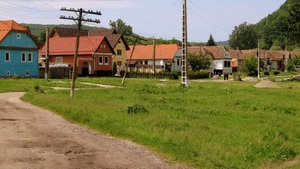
(18, 50)
(94, 54)
(117, 42)
(167, 58)
(273, 60)
(237, 59)
(219, 56)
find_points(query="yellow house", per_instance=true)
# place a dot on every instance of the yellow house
(118, 43)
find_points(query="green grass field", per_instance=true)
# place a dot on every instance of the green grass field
(207, 125)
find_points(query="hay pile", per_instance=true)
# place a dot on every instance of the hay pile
(266, 84)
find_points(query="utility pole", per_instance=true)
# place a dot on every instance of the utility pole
(79, 21)
(184, 71)
(258, 54)
(127, 66)
(47, 59)
(154, 43)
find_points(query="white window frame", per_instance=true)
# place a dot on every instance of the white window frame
(23, 59)
(8, 73)
(31, 57)
(57, 60)
(8, 56)
(106, 60)
(18, 36)
(100, 59)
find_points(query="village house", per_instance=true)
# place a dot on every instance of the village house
(167, 57)
(116, 41)
(94, 54)
(271, 60)
(18, 50)
(219, 57)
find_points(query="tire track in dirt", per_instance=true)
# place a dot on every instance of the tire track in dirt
(31, 137)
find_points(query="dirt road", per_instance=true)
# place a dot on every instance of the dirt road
(31, 137)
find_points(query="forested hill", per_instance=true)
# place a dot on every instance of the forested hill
(282, 27)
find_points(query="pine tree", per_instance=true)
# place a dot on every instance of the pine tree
(211, 41)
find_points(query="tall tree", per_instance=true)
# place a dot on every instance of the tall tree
(211, 41)
(121, 27)
(243, 37)
(198, 61)
(42, 36)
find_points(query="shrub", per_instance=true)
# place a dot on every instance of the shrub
(136, 108)
(276, 72)
(266, 73)
(198, 75)
(122, 72)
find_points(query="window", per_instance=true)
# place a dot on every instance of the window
(106, 60)
(100, 60)
(146, 62)
(8, 73)
(119, 52)
(7, 56)
(18, 36)
(178, 62)
(23, 57)
(30, 59)
(58, 60)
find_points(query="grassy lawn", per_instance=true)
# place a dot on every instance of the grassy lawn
(208, 125)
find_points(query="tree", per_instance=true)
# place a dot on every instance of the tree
(198, 61)
(249, 65)
(293, 24)
(211, 41)
(243, 37)
(42, 36)
(121, 27)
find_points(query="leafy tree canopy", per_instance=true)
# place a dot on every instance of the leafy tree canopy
(243, 37)
(249, 65)
(198, 61)
(121, 27)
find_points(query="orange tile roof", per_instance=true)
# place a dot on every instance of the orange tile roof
(236, 54)
(8, 25)
(162, 52)
(217, 52)
(66, 45)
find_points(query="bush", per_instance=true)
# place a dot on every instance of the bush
(266, 73)
(276, 72)
(122, 72)
(136, 108)
(198, 75)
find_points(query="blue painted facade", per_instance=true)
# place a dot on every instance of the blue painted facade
(18, 55)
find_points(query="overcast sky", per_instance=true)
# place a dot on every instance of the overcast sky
(158, 18)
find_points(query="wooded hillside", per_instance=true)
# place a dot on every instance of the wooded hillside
(281, 28)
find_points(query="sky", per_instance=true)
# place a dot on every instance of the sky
(149, 18)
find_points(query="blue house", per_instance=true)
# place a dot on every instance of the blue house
(18, 50)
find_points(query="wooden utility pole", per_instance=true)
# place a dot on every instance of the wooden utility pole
(47, 59)
(127, 66)
(258, 54)
(79, 20)
(154, 43)
(184, 71)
